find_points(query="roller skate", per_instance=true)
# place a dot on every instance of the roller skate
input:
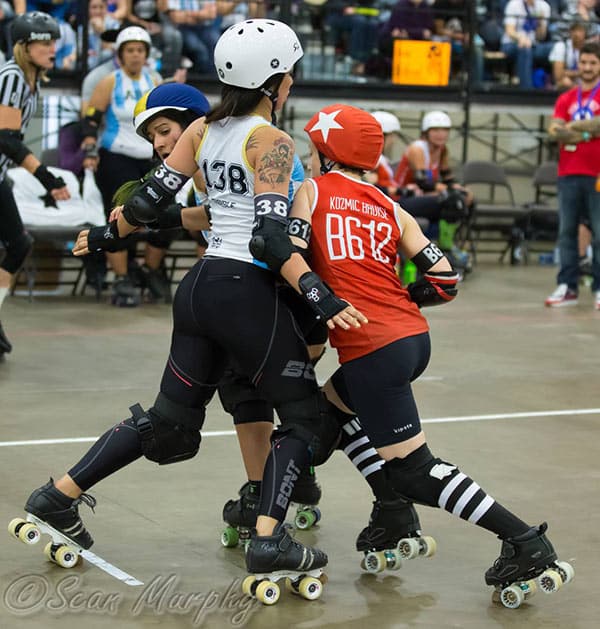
(240, 517)
(124, 293)
(272, 558)
(155, 284)
(306, 495)
(393, 534)
(51, 512)
(527, 562)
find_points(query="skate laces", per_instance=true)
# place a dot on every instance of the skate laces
(88, 500)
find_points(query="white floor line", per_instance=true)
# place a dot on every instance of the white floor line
(434, 420)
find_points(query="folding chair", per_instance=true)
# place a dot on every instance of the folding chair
(492, 221)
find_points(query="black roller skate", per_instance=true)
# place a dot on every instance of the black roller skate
(240, 517)
(306, 495)
(280, 556)
(393, 534)
(124, 293)
(155, 284)
(51, 512)
(5, 344)
(527, 562)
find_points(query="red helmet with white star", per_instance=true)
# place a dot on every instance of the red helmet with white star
(347, 135)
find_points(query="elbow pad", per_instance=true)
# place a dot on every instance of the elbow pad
(153, 196)
(424, 181)
(434, 288)
(11, 145)
(271, 244)
(91, 122)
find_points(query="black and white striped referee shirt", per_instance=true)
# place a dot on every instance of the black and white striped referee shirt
(15, 92)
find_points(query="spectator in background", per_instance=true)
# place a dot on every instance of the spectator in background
(564, 56)
(383, 174)
(99, 21)
(353, 28)
(197, 23)
(7, 14)
(524, 39)
(151, 16)
(582, 11)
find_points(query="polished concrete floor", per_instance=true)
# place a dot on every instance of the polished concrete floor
(511, 396)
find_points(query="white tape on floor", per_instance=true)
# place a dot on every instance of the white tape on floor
(434, 420)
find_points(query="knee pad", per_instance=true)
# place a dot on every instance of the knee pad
(240, 398)
(453, 207)
(311, 420)
(159, 239)
(421, 477)
(16, 252)
(169, 432)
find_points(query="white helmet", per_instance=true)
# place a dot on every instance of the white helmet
(435, 120)
(250, 52)
(133, 33)
(389, 123)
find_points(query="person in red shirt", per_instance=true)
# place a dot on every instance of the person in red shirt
(353, 230)
(576, 126)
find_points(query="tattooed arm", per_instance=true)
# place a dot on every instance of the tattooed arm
(271, 152)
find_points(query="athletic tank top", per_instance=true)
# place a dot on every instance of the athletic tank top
(404, 173)
(355, 236)
(119, 134)
(229, 184)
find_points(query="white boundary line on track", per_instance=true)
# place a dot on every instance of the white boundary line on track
(435, 420)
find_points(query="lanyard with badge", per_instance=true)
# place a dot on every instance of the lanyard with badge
(583, 111)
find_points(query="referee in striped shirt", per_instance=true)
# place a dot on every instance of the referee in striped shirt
(34, 50)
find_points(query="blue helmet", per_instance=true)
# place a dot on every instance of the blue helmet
(179, 101)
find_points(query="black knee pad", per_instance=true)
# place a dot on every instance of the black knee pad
(311, 419)
(453, 206)
(159, 239)
(240, 398)
(16, 252)
(420, 477)
(168, 431)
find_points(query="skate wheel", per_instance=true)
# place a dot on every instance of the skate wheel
(24, 531)
(48, 552)
(529, 588)
(375, 562)
(409, 547)
(566, 571)
(549, 581)
(290, 586)
(428, 546)
(310, 588)
(394, 559)
(512, 596)
(230, 537)
(267, 592)
(305, 519)
(323, 578)
(247, 584)
(318, 514)
(65, 556)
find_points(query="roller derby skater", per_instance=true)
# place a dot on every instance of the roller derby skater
(379, 362)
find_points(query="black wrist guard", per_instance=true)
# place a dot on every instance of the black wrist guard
(47, 179)
(320, 297)
(105, 238)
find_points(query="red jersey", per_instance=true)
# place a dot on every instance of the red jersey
(384, 172)
(585, 159)
(355, 236)
(404, 173)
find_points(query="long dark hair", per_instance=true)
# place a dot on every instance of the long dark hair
(239, 101)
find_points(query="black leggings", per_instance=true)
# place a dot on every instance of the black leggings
(13, 236)
(377, 388)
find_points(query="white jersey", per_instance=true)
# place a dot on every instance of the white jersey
(119, 133)
(230, 185)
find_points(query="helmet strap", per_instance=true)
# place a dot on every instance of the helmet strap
(326, 165)
(272, 94)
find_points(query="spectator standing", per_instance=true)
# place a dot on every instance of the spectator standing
(524, 38)
(197, 23)
(35, 36)
(99, 21)
(575, 125)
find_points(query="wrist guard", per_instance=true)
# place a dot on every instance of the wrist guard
(47, 179)
(320, 297)
(105, 238)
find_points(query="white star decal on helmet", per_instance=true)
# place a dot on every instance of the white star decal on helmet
(326, 123)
